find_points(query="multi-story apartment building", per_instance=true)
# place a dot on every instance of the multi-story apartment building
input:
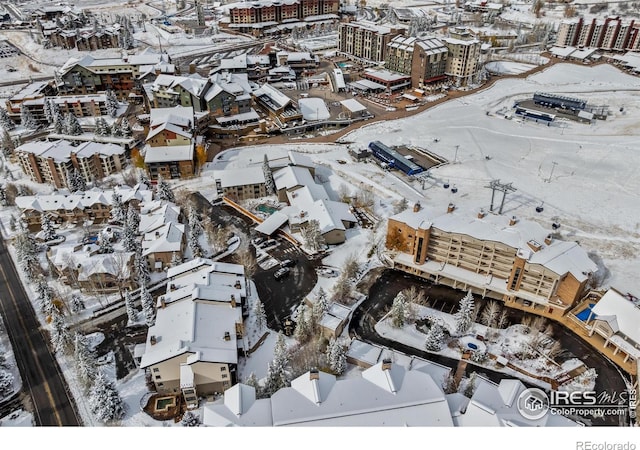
(89, 75)
(498, 257)
(32, 91)
(463, 56)
(52, 162)
(280, 10)
(366, 40)
(93, 205)
(424, 59)
(169, 151)
(91, 105)
(193, 347)
(171, 90)
(87, 38)
(607, 34)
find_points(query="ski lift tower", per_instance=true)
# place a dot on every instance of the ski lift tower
(505, 188)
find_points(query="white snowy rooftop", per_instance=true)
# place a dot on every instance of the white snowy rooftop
(60, 151)
(313, 108)
(239, 177)
(621, 313)
(168, 153)
(559, 256)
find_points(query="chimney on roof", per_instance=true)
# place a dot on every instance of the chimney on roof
(534, 245)
(513, 221)
(416, 207)
(153, 340)
(172, 286)
(450, 208)
(227, 336)
(238, 285)
(192, 68)
(548, 240)
(163, 303)
(314, 374)
(386, 364)
(233, 301)
(157, 234)
(481, 213)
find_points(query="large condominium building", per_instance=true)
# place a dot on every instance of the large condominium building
(464, 54)
(608, 34)
(495, 256)
(425, 59)
(366, 40)
(90, 105)
(263, 11)
(89, 75)
(52, 162)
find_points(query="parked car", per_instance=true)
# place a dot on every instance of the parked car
(258, 240)
(288, 263)
(281, 273)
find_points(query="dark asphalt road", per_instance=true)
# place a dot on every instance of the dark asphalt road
(386, 287)
(43, 382)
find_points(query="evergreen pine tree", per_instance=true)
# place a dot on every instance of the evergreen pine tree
(435, 338)
(132, 314)
(118, 212)
(312, 236)
(71, 125)
(464, 315)
(102, 127)
(76, 304)
(399, 310)
(27, 251)
(260, 314)
(140, 265)
(321, 304)
(45, 296)
(84, 358)
(195, 223)
(143, 178)
(269, 184)
(148, 306)
(125, 128)
(129, 240)
(47, 111)
(12, 222)
(48, 232)
(8, 146)
(190, 419)
(61, 338)
(3, 197)
(303, 329)
(26, 118)
(337, 357)
(252, 380)
(194, 245)
(133, 219)
(5, 121)
(111, 103)
(104, 400)
(104, 243)
(279, 367)
(163, 190)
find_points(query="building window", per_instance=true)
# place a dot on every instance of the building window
(158, 377)
(224, 375)
(223, 368)
(160, 384)
(155, 369)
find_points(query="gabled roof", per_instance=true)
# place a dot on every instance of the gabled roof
(622, 314)
(168, 238)
(169, 126)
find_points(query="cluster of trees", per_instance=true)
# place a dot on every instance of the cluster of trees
(195, 231)
(312, 236)
(123, 129)
(342, 291)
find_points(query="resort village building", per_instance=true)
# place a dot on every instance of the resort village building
(495, 256)
(198, 334)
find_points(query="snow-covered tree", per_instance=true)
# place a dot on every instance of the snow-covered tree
(190, 419)
(312, 236)
(8, 145)
(164, 191)
(27, 251)
(48, 232)
(6, 383)
(61, 338)
(321, 304)
(400, 205)
(111, 103)
(26, 118)
(85, 360)
(75, 181)
(195, 223)
(13, 224)
(129, 240)
(133, 218)
(490, 314)
(104, 243)
(260, 314)
(47, 111)
(194, 245)
(399, 310)
(125, 128)
(118, 211)
(3, 197)
(252, 380)
(76, 304)
(73, 126)
(464, 315)
(269, 184)
(302, 330)
(435, 338)
(45, 296)
(5, 121)
(342, 289)
(132, 314)
(104, 400)
(102, 127)
(143, 178)
(140, 265)
(337, 357)
(279, 368)
(148, 306)
(56, 114)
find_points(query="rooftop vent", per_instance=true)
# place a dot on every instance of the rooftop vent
(534, 245)
(416, 207)
(153, 340)
(451, 207)
(481, 213)
(314, 374)
(513, 221)
(548, 240)
(227, 336)
(386, 364)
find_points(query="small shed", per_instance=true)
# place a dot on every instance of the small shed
(353, 108)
